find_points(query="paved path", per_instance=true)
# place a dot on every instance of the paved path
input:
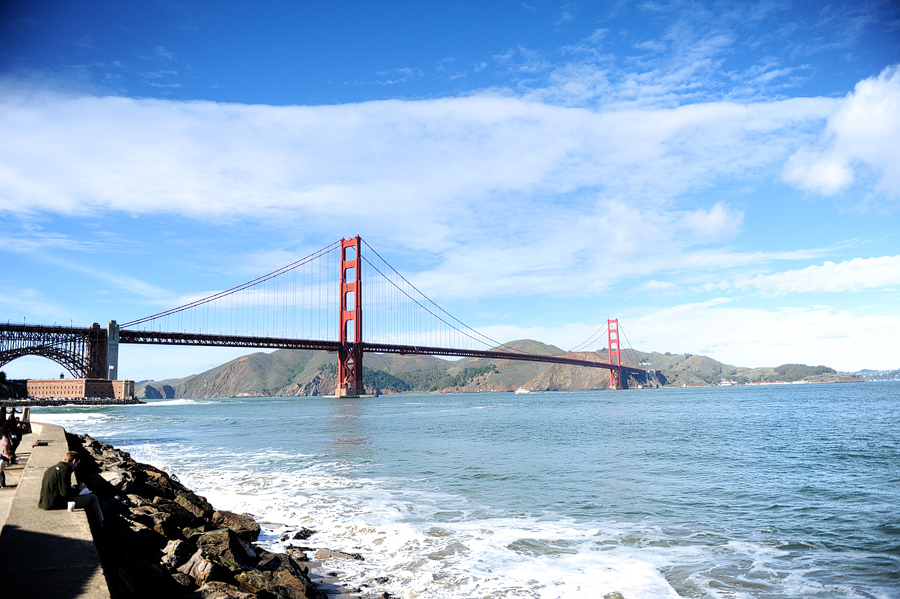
(46, 554)
(14, 475)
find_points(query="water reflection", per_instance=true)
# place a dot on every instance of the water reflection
(348, 428)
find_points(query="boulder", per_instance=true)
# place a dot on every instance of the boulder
(243, 525)
(165, 524)
(323, 554)
(220, 590)
(202, 569)
(191, 533)
(135, 500)
(226, 548)
(143, 512)
(297, 554)
(158, 483)
(115, 479)
(176, 553)
(300, 535)
(184, 517)
(195, 505)
(285, 581)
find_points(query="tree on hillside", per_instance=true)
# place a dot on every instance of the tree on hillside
(796, 372)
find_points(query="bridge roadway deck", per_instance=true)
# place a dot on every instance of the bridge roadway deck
(168, 338)
(47, 554)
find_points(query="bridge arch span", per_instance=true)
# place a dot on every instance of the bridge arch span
(73, 365)
(84, 352)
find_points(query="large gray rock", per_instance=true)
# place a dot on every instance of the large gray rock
(115, 479)
(220, 590)
(184, 517)
(323, 554)
(194, 504)
(243, 525)
(226, 548)
(279, 575)
(202, 569)
(176, 553)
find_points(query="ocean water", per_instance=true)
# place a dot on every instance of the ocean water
(740, 492)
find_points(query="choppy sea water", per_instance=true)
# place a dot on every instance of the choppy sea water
(741, 492)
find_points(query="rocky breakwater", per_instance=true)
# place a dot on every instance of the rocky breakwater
(162, 540)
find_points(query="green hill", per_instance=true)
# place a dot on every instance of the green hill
(304, 373)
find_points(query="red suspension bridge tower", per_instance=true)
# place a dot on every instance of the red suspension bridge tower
(350, 361)
(617, 379)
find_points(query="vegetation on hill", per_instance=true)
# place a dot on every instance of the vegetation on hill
(298, 373)
(798, 372)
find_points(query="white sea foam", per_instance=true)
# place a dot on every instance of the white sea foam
(177, 402)
(409, 538)
(67, 419)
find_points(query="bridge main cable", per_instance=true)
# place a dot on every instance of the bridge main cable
(235, 289)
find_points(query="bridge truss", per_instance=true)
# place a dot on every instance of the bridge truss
(343, 298)
(84, 352)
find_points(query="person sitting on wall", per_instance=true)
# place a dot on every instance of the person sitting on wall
(57, 490)
(4, 462)
(6, 443)
(15, 434)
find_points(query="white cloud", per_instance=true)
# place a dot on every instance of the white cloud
(82, 154)
(743, 336)
(727, 331)
(861, 141)
(660, 288)
(471, 172)
(859, 274)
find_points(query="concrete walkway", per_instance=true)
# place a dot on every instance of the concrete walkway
(48, 554)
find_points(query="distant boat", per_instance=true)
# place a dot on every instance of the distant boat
(523, 390)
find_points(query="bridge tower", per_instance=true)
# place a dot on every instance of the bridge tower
(350, 361)
(112, 351)
(616, 375)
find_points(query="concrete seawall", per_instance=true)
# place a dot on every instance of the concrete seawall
(48, 554)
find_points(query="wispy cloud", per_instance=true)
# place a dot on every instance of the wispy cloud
(754, 336)
(859, 274)
(456, 167)
(163, 53)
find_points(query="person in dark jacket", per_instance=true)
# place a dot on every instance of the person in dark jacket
(57, 490)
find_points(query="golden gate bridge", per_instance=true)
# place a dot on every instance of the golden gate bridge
(344, 298)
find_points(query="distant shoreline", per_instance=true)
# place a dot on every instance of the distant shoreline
(57, 402)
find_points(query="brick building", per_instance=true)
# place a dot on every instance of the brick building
(80, 388)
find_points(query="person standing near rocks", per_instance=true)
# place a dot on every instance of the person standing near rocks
(57, 490)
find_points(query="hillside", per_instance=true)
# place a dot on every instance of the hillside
(304, 373)
(880, 375)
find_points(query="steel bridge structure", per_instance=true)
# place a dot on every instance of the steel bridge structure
(316, 303)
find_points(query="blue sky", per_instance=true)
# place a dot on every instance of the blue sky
(724, 178)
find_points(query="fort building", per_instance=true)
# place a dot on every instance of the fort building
(80, 388)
